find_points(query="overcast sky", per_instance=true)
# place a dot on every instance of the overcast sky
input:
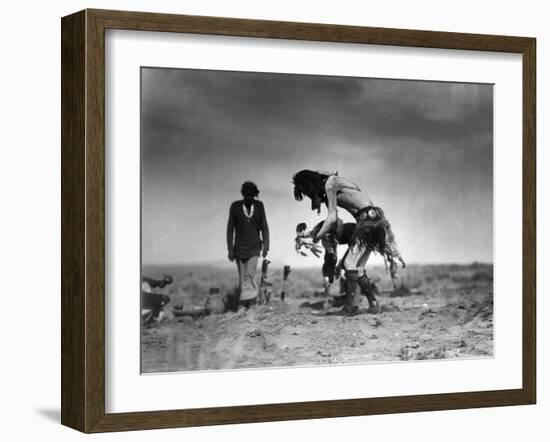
(423, 151)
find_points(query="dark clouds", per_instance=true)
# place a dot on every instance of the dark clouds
(409, 144)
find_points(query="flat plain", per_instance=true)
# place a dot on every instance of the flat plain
(437, 312)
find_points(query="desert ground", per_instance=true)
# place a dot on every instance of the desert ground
(438, 312)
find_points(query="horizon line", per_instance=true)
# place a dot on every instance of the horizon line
(223, 263)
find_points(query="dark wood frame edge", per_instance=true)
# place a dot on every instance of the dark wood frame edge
(83, 235)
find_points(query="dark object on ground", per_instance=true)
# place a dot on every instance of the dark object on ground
(248, 303)
(319, 305)
(196, 311)
(152, 305)
(264, 293)
(232, 300)
(158, 283)
(286, 272)
(403, 290)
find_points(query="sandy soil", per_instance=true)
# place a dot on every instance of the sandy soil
(441, 312)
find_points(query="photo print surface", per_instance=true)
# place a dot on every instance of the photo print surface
(299, 220)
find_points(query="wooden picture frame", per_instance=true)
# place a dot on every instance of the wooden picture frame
(83, 220)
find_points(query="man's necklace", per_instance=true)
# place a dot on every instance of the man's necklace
(245, 211)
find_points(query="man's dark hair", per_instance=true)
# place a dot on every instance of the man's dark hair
(311, 184)
(249, 189)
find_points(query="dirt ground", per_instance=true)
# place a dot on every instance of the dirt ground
(441, 311)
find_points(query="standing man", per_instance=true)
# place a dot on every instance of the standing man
(244, 244)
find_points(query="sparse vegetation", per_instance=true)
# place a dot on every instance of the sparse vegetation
(438, 312)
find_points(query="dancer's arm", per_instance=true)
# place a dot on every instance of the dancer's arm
(331, 188)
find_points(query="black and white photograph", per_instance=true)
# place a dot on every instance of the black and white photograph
(292, 220)
(254, 221)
